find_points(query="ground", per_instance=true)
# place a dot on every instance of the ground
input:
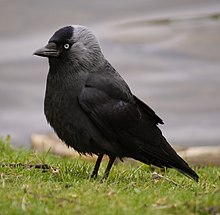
(66, 188)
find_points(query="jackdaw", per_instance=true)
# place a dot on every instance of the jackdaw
(92, 109)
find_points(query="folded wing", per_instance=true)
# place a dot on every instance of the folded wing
(123, 118)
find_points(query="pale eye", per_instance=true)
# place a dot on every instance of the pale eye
(66, 46)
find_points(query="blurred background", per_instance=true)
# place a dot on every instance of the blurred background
(167, 51)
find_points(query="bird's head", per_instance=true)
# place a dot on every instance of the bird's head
(74, 45)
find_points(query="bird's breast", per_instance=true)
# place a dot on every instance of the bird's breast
(64, 114)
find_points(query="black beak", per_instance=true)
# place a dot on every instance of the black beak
(50, 50)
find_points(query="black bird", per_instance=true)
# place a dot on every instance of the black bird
(92, 109)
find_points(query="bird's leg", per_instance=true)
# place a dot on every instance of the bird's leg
(97, 165)
(110, 163)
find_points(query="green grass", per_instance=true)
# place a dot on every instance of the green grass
(129, 189)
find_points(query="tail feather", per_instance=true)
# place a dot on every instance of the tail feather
(175, 161)
(181, 167)
(190, 174)
(187, 171)
(165, 156)
(147, 144)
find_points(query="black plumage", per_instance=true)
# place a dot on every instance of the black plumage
(92, 109)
